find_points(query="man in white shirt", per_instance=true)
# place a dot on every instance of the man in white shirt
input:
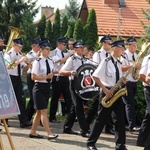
(127, 62)
(60, 83)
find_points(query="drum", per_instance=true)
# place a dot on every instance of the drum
(83, 83)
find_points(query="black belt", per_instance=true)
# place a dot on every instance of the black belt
(131, 82)
(60, 76)
(15, 76)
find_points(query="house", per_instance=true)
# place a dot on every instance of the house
(114, 20)
(49, 13)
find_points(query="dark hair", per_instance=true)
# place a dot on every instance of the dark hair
(89, 47)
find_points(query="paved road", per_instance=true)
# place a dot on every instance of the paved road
(64, 142)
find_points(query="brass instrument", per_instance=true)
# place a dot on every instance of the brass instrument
(15, 32)
(140, 56)
(107, 102)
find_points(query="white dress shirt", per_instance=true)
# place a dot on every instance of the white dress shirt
(56, 56)
(39, 67)
(99, 56)
(11, 57)
(32, 55)
(145, 68)
(128, 62)
(106, 72)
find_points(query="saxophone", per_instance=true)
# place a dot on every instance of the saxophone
(107, 102)
(140, 56)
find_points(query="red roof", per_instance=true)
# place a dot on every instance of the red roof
(107, 17)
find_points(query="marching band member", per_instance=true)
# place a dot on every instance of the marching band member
(42, 73)
(60, 83)
(15, 69)
(130, 55)
(31, 56)
(144, 133)
(72, 64)
(97, 58)
(106, 76)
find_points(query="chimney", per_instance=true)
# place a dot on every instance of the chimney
(111, 2)
(47, 11)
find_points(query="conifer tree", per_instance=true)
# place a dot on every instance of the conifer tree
(91, 36)
(56, 28)
(64, 26)
(48, 31)
(41, 27)
(78, 30)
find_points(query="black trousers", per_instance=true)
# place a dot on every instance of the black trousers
(59, 85)
(103, 116)
(17, 85)
(93, 113)
(76, 110)
(30, 107)
(130, 103)
(144, 134)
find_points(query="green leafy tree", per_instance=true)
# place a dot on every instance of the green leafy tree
(78, 30)
(56, 28)
(48, 31)
(64, 26)
(41, 27)
(72, 10)
(12, 13)
(91, 36)
(29, 31)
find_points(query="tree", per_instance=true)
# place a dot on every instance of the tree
(12, 14)
(41, 27)
(14, 11)
(91, 36)
(146, 27)
(29, 31)
(78, 30)
(48, 31)
(64, 26)
(72, 10)
(70, 30)
(56, 28)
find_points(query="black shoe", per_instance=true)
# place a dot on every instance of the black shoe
(70, 131)
(111, 131)
(55, 121)
(25, 124)
(135, 129)
(85, 134)
(91, 148)
(52, 137)
(36, 136)
(140, 144)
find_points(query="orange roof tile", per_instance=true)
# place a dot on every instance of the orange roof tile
(107, 17)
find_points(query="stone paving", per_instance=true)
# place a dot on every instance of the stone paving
(63, 142)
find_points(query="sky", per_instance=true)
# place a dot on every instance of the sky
(53, 3)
